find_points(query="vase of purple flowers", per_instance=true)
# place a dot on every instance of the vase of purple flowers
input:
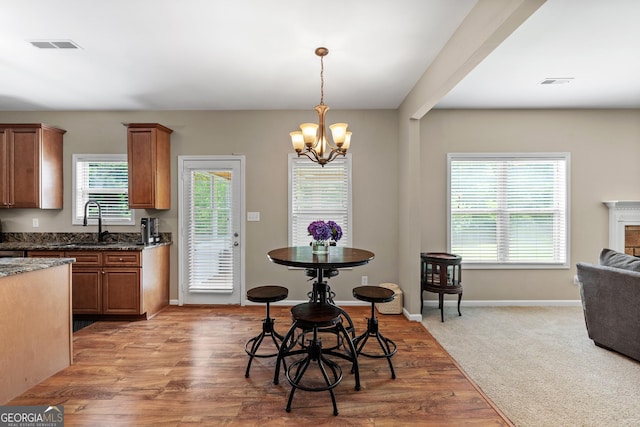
(323, 234)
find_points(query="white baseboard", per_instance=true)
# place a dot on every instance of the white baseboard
(450, 303)
(507, 303)
(293, 302)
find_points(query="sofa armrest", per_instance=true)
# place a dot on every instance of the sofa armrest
(611, 303)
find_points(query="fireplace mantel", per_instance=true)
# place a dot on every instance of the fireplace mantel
(621, 214)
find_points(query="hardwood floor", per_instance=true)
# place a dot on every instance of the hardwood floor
(186, 367)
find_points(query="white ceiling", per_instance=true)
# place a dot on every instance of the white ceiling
(257, 54)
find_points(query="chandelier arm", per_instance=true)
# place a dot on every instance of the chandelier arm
(313, 158)
(335, 153)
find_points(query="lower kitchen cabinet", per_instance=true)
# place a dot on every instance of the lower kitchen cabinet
(121, 291)
(86, 295)
(123, 282)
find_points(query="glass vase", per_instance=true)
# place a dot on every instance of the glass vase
(320, 247)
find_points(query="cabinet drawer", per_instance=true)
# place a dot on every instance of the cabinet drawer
(85, 258)
(122, 258)
(45, 254)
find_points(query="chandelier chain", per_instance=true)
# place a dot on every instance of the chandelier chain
(322, 80)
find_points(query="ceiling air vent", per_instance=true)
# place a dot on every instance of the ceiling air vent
(556, 81)
(54, 44)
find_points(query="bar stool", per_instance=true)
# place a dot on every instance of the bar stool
(375, 294)
(264, 294)
(441, 273)
(311, 318)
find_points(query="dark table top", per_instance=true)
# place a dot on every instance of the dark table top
(338, 257)
(440, 256)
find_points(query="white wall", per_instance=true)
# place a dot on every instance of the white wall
(605, 165)
(605, 162)
(263, 137)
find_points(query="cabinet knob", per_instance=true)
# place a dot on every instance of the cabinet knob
(121, 259)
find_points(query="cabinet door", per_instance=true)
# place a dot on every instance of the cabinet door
(149, 156)
(5, 170)
(121, 291)
(86, 290)
(26, 168)
(140, 149)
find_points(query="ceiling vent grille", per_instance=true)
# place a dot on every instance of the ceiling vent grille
(556, 81)
(54, 44)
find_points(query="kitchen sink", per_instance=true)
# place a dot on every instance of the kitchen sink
(84, 244)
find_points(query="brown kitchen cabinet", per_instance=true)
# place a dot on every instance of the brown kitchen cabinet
(86, 278)
(120, 282)
(31, 166)
(149, 159)
(86, 282)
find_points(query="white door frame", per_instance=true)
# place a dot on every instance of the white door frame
(181, 212)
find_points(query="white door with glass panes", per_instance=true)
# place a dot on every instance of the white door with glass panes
(211, 229)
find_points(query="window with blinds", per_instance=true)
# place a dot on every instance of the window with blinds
(210, 231)
(509, 210)
(319, 193)
(103, 178)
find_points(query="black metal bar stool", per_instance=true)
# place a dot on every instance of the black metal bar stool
(375, 294)
(311, 318)
(265, 294)
(441, 273)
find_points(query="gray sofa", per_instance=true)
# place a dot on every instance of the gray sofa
(610, 293)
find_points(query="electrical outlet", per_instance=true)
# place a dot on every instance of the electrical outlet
(364, 280)
(35, 222)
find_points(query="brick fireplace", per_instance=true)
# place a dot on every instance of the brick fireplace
(624, 226)
(632, 239)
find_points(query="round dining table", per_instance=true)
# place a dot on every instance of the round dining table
(303, 257)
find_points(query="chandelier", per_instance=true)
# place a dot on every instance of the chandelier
(311, 139)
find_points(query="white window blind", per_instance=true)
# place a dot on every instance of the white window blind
(319, 193)
(210, 232)
(509, 210)
(103, 178)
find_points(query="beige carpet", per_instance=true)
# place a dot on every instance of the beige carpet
(538, 365)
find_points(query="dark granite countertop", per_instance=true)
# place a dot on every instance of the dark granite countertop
(11, 266)
(76, 246)
(76, 241)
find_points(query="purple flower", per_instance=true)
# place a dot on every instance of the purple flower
(321, 230)
(336, 231)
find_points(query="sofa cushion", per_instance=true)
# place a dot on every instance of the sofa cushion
(611, 258)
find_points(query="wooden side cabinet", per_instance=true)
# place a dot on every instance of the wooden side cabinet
(126, 282)
(31, 166)
(149, 158)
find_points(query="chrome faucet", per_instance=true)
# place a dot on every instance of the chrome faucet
(101, 234)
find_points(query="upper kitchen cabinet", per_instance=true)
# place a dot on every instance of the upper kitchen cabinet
(31, 166)
(149, 158)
